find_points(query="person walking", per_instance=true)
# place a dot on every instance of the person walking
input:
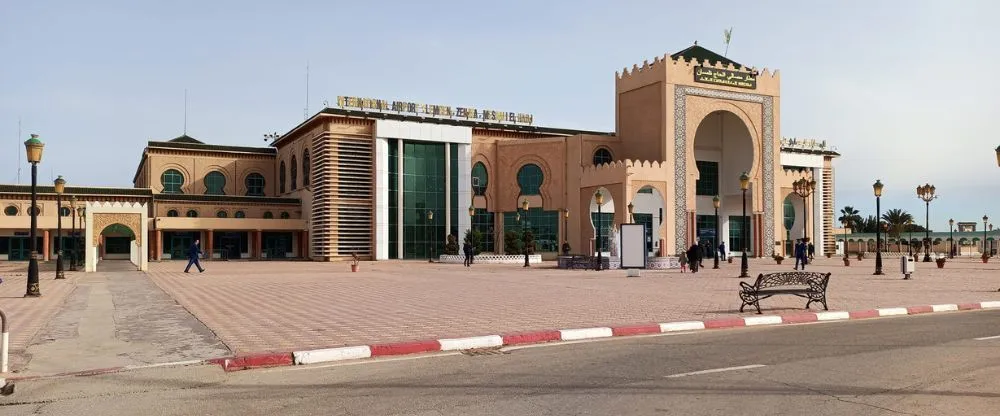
(812, 251)
(722, 250)
(193, 253)
(694, 257)
(683, 258)
(800, 254)
(467, 249)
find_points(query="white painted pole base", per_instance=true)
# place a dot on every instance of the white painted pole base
(4, 343)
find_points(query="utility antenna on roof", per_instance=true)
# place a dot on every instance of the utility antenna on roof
(18, 152)
(305, 114)
(728, 34)
(185, 111)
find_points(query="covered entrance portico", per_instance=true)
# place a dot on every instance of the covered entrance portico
(119, 227)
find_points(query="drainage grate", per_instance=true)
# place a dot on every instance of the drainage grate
(476, 352)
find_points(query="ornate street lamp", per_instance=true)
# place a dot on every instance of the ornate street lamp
(985, 221)
(524, 230)
(631, 209)
(845, 222)
(60, 186)
(951, 238)
(804, 188)
(566, 233)
(599, 198)
(744, 185)
(33, 148)
(80, 255)
(72, 250)
(430, 222)
(909, 241)
(716, 202)
(926, 194)
(877, 187)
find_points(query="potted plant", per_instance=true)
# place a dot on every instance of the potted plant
(940, 262)
(730, 260)
(355, 261)
(778, 258)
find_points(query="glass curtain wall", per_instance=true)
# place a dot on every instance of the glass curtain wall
(423, 192)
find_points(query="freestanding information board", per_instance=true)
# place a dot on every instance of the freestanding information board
(633, 246)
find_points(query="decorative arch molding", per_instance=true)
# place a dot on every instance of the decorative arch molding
(544, 192)
(101, 215)
(491, 176)
(130, 221)
(681, 157)
(189, 179)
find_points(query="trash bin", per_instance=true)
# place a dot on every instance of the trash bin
(906, 266)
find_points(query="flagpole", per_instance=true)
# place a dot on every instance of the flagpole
(728, 34)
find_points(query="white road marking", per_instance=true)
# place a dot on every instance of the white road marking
(585, 333)
(332, 354)
(762, 320)
(990, 305)
(988, 338)
(682, 326)
(358, 362)
(716, 370)
(470, 343)
(892, 311)
(832, 316)
(944, 308)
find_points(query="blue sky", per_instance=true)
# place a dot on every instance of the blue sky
(902, 88)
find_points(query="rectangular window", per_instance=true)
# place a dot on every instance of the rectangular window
(393, 198)
(544, 225)
(737, 242)
(705, 226)
(423, 192)
(483, 222)
(453, 160)
(708, 178)
(605, 221)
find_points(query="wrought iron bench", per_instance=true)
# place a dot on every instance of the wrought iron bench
(807, 285)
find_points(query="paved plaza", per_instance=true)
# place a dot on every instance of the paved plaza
(283, 306)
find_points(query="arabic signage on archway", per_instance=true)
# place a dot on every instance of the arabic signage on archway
(725, 77)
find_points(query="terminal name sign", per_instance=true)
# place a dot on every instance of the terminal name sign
(725, 77)
(434, 110)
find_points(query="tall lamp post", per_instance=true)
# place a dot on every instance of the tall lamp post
(80, 255)
(951, 238)
(566, 232)
(744, 185)
(803, 188)
(985, 221)
(599, 198)
(60, 186)
(430, 223)
(524, 230)
(926, 194)
(845, 224)
(877, 187)
(716, 202)
(33, 148)
(909, 241)
(72, 250)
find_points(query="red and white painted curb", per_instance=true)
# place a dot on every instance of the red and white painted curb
(327, 355)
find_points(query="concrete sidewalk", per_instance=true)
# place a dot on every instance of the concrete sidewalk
(279, 306)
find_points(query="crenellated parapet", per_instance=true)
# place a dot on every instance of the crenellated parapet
(617, 171)
(688, 65)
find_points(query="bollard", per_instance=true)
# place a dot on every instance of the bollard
(4, 342)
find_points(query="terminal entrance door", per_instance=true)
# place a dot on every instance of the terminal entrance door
(20, 249)
(179, 245)
(277, 245)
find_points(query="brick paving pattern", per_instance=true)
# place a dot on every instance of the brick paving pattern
(283, 306)
(27, 316)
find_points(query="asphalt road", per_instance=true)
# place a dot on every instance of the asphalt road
(920, 365)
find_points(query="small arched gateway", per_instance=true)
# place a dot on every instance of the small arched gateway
(116, 233)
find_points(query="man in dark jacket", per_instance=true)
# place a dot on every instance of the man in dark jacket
(468, 251)
(801, 256)
(193, 253)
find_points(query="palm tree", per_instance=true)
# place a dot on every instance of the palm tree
(897, 219)
(850, 216)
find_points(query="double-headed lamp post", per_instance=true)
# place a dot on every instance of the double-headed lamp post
(716, 202)
(909, 241)
(72, 251)
(524, 230)
(803, 188)
(744, 185)
(877, 187)
(33, 148)
(60, 186)
(599, 198)
(430, 223)
(926, 194)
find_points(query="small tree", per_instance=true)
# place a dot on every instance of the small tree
(529, 242)
(474, 237)
(451, 246)
(512, 243)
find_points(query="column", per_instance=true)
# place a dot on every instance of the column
(159, 245)
(45, 248)
(103, 245)
(259, 247)
(447, 190)
(208, 243)
(381, 199)
(305, 244)
(465, 189)
(399, 199)
(816, 199)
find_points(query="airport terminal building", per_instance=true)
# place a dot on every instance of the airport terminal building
(391, 179)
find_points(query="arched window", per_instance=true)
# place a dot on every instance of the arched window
(172, 213)
(305, 168)
(281, 178)
(480, 178)
(530, 178)
(268, 214)
(192, 213)
(221, 214)
(602, 156)
(172, 180)
(215, 183)
(285, 216)
(295, 173)
(255, 184)
(10, 211)
(240, 214)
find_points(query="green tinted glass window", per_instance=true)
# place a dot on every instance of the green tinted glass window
(215, 183)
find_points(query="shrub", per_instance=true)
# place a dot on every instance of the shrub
(451, 246)
(475, 238)
(512, 242)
